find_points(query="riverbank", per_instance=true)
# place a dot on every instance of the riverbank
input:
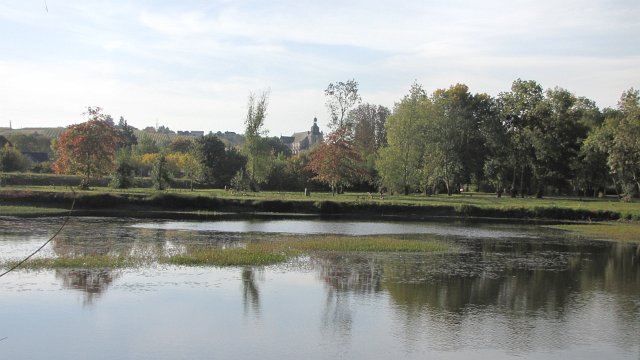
(187, 204)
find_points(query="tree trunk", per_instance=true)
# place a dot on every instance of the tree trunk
(615, 186)
(522, 182)
(513, 183)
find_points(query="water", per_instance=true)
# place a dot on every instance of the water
(511, 292)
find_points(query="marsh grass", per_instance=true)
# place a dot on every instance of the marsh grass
(617, 231)
(262, 252)
(9, 210)
(269, 252)
(86, 262)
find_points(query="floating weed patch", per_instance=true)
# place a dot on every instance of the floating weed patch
(227, 257)
(280, 250)
(365, 244)
(7, 210)
(607, 231)
(87, 261)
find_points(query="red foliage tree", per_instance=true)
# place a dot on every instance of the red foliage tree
(336, 162)
(87, 149)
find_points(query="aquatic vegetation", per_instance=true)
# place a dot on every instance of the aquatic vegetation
(617, 231)
(267, 251)
(11, 210)
(85, 262)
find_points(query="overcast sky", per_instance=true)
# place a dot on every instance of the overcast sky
(190, 65)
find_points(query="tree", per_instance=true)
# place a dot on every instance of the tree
(31, 142)
(518, 111)
(87, 149)
(453, 149)
(13, 160)
(498, 160)
(209, 152)
(399, 162)
(555, 138)
(215, 164)
(624, 154)
(123, 175)
(180, 144)
(259, 158)
(341, 98)
(369, 133)
(336, 162)
(160, 173)
(128, 136)
(146, 145)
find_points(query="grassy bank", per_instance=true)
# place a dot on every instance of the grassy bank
(353, 204)
(257, 253)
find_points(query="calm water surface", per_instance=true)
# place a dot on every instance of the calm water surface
(513, 291)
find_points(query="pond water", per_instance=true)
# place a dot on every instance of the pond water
(512, 291)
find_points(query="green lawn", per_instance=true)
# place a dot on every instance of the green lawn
(480, 200)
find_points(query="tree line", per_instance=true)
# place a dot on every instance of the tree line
(523, 142)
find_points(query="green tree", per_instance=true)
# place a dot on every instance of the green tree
(624, 154)
(160, 173)
(498, 160)
(453, 146)
(556, 138)
(13, 160)
(369, 133)
(124, 173)
(128, 135)
(519, 111)
(341, 98)
(256, 147)
(31, 142)
(399, 162)
(146, 145)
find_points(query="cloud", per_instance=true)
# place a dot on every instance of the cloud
(192, 64)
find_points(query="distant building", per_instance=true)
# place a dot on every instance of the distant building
(191, 133)
(303, 140)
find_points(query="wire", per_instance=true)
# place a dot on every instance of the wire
(66, 220)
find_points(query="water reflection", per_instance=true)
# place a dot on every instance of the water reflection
(250, 290)
(92, 282)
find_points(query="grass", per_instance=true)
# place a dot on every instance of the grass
(624, 232)
(86, 262)
(276, 251)
(256, 253)
(463, 204)
(10, 210)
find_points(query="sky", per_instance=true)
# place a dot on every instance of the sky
(191, 64)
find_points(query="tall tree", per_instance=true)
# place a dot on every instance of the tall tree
(519, 111)
(88, 148)
(128, 136)
(259, 156)
(341, 98)
(453, 147)
(624, 154)
(369, 133)
(399, 162)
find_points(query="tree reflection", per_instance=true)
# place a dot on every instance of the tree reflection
(343, 276)
(250, 291)
(92, 282)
